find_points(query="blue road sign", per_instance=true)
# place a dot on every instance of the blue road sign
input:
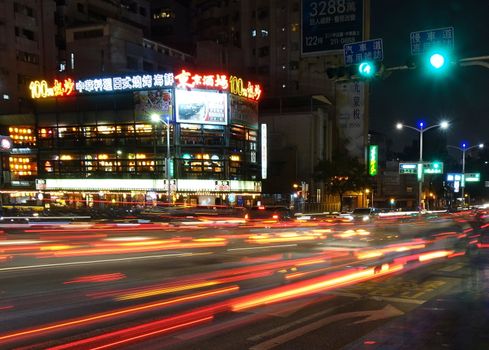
(427, 40)
(370, 50)
(328, 25)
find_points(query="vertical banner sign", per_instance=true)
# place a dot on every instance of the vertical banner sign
(350, 112)
(264, 150)
(329, 24)
(373, 163)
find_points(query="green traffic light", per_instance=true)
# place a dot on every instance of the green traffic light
(437, 60)
(366, 69)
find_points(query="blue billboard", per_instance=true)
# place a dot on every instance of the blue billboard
(329, 25)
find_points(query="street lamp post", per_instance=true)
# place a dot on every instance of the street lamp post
(367, 191)
(464, 150)
(156, 118)
(421, 130)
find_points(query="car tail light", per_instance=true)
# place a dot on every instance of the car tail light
(275, 216)
(247, 216)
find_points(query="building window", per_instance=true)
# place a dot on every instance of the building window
(294, 65)
(23, 9)
(88, 34)
(253, 33)
(295, 27)
(162, 14)
(24, 33)
(147, 66)
(132, 62)
(264, 51)
(27, 57)
(264, 33)
(262, 13)
(23, 79)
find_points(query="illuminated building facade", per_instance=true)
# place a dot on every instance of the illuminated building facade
(93, 139)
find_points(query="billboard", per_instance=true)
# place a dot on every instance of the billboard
(350, 113)
(328, 25)
(201, 107)
(153, 101)
(243, 112)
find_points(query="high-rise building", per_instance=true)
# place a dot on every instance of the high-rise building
(262, 38)
(27, 42)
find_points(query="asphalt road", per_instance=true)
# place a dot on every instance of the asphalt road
(388, 285)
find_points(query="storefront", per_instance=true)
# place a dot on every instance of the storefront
(187, 137)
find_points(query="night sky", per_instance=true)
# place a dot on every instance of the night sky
(460, 96)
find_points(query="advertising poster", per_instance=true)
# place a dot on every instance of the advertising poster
(153, 101)
(328, 25)
(201, 107)
(244, 112)
(350, 113)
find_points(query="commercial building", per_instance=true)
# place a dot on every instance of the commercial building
(93, 139)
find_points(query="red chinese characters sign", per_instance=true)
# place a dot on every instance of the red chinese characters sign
(234, 84)
(41, 89)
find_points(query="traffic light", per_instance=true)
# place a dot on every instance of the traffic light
(6, 143)
(363, 71)
(366, 69)
(437, 61)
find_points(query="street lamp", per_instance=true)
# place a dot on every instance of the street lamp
(464, 150)
(155, 118)
(421, 129)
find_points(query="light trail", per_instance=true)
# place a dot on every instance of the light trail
(304, 288)
(116, 313)
(41, 266)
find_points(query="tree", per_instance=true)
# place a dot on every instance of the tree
(342, 174)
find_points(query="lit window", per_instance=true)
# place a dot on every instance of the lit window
(295, 27)
(253, 33)
(264, 33)
(284, 86)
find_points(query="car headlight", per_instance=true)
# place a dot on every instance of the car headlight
(366, 218)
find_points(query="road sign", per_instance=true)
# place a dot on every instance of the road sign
(428, 40)
(451, 177)
(472, 177)
(363, 51)
(433, 168)
(408, 168)
(427, 168)
(328, 25)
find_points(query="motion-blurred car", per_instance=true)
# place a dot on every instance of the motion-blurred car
(262, 212)
(364, 214)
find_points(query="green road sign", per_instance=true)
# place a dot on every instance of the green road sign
(408, 168)
(421, 168)
(433, 168)
(472, 177)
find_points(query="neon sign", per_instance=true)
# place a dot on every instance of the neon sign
(185, 80)
(373, 165)
(69, 87)
(237, 87)
(126, 83)
(41, 89)
(188, 80)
